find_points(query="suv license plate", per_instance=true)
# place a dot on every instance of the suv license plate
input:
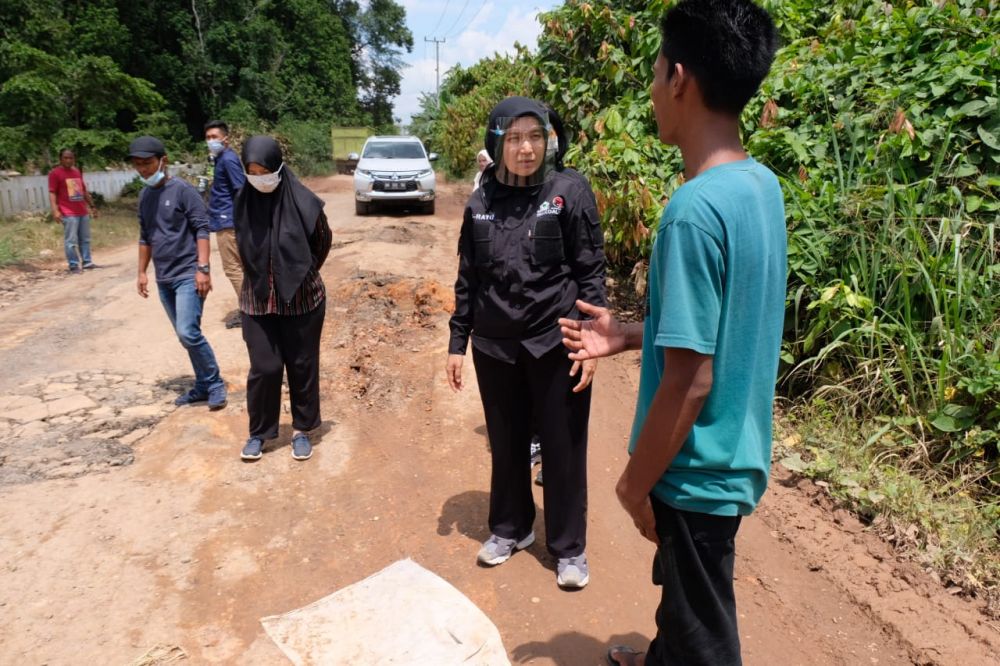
(395, 186)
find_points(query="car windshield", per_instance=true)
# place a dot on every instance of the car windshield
(408, 150)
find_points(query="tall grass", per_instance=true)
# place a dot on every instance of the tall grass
(38, 239)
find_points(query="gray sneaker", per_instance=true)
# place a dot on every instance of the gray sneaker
(573, 572)
(497, 550)
(536, 451)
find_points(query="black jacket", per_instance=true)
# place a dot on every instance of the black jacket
(525, 256)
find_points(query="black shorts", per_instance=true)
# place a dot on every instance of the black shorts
(696, 620)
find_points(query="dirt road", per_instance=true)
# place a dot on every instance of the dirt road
(125, 523)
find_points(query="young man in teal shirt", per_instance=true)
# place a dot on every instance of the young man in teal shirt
(701, 438)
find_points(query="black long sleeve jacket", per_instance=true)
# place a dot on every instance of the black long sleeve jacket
(525, 256)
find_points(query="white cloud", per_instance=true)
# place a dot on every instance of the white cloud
(481, 39)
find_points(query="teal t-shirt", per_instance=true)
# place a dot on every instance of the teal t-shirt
(717, 279)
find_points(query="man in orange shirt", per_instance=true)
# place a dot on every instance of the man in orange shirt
(71, 203)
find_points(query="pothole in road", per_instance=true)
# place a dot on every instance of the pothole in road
(384, 318)
(74, 423)
(407, 233)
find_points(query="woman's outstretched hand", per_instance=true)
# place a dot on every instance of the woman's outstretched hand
(601, 335)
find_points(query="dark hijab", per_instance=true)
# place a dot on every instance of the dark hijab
(273, 230)
(515, 107)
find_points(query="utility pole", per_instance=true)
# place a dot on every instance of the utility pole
(437, 65)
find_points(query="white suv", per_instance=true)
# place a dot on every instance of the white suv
(393, 168)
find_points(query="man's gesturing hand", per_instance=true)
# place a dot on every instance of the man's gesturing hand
(602, 335)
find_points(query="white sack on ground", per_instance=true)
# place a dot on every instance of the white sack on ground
(404, 614)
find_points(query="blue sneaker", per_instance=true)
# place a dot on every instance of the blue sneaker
(217, 398)
(253, 449)
(301, 448)
(190, 398)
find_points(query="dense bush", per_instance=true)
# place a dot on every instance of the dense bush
(882, 122)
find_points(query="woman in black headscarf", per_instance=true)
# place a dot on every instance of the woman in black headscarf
(283, 238)
(531, 244)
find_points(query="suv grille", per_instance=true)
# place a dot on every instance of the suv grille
(394, 186)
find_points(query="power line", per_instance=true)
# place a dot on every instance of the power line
(441, 18)
(458, 18)
(471, 20)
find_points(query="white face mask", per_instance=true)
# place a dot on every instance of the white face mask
(266, 183)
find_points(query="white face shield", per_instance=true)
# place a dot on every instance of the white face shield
(525, 151)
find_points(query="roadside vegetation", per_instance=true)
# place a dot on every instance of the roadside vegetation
(882, 121)
(36, 238)
(92, 75)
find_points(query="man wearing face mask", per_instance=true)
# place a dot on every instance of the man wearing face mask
(226, 181)
(173, 233)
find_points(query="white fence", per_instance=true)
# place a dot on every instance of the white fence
(31, 193)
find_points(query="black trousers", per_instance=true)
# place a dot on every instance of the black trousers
(534, 396)
(277, 343)
(696, 620)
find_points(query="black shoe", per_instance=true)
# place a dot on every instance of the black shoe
(234, 320)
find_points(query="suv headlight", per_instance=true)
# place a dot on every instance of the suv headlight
(425, 173)
(365, 172)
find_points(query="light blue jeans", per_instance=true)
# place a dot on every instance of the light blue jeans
(76, 236)
(183, 305)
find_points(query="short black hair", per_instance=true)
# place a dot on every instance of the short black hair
(217, 123)
(727, 45)
(63, 151)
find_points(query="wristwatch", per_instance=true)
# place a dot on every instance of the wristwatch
(204, 268)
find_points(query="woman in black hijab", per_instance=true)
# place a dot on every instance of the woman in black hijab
(283, 238)
(531, 244)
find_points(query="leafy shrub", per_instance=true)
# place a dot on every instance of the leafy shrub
(308, 145)
(882, 122)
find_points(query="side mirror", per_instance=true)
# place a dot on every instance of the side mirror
(432, 157)
(353, 156)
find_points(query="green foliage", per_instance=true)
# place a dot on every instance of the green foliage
(884, 149)
(110, 69)
(308, 145)
(37, 237)
(467, 96)
(882, 122)
(594, 66)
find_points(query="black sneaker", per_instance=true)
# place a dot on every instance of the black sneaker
(74, 270)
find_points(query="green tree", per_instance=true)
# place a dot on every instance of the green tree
(380, 37)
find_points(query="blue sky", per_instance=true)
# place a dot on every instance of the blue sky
(484, 28)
